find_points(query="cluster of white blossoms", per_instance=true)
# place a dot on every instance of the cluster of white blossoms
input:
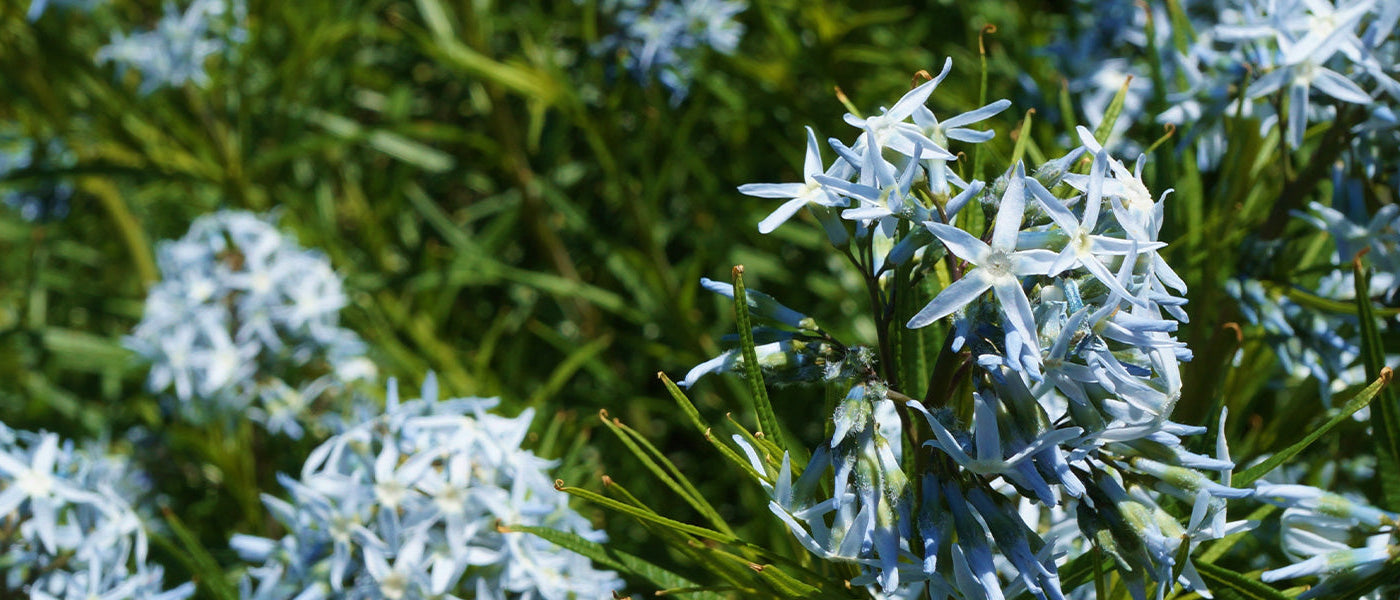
(246, 323)
(666, 39)
(175, 50)
(1062, 314)
(67, 526)
(409, 505)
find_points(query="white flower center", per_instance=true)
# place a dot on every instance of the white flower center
(452, 501)
(1082, 244)
(35, 484)
(394, 585)
(390, 493)
(260, 283)
(998, 264)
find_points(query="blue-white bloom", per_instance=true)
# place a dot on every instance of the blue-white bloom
(243, 322)
(71, 530)
(666, 39)
(407, 504)
(1000, 265)
(1075, 374)
(175, 51)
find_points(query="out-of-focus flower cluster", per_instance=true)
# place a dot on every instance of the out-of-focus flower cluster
(1312, 341)
(1284, 64)
(1063, 314)
(40, 199)
(175, 50)
(666, 39)
(407, 504)
(245, 323)
(67, 526)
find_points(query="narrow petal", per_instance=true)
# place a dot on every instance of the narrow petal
(1032, 262)
(772, 190)
(812, 164)
(914, 99)
(980, 114)
(955, 296)
(1017, 309)
(781, 215)
(1012, 210)
(1331, 83)
(960, 243)
(1057, 210)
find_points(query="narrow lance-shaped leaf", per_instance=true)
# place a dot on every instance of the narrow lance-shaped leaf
(191, 552)
(694, 416)
(606, 556)
(767, 420)
(664, 470)
(1361, 400)
(1022, 138)
(1222, 578)
(1385, 415)
(644, 515)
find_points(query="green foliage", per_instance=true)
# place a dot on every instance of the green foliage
(512, 212)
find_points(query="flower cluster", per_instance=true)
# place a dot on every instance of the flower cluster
(69, 529)
(1283, 64)
(1345, 541)
(1061, 316)
(1102, 46)
(242, 316)
(175, 51)
(407, 505)
(1326, 344)
(47, 199)
(665, 39)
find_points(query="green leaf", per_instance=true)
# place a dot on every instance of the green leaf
(665, 470)
(1022, 138)
(785, 584)
(436, 16)
(607, 557)
(1081, 570)
(694, 416)
(645, 515)
(767, 420)
(1385, 415)
(1316, 302)
(1222, 578)
(565, 371)
(412, 152)
(1110, 116)
(1357, 402)
(208, 575)
(1100, 575)
(1067, 110)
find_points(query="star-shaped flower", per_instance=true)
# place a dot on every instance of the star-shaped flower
(999, 266)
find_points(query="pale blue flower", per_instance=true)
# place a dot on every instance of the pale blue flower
(246, 322)
(175, 51)
(1000, 265)
(72, 531)
(810, 191)
(666, 39)
(406, 505)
